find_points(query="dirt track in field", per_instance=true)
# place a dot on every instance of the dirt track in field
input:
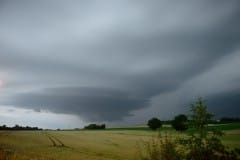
(54, 140)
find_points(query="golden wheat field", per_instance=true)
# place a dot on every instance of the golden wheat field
(77, 145)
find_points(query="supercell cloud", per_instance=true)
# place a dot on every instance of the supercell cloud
(120, 61)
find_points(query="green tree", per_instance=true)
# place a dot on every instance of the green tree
(154, 123)
(200, 117)
(180, 122)
(205, 144)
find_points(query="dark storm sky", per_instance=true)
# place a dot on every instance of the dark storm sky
(119, 61)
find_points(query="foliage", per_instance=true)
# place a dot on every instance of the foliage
(229, 120)
(200, 117)
(180, 122)
(207, 148)
(95, 126)
(160, 148)
(154, 123)
(204, 144)
(17, 127)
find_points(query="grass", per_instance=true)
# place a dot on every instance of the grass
(230, 126)
(110, 144)
(140, 128)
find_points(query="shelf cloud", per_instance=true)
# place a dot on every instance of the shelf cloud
(120, 61)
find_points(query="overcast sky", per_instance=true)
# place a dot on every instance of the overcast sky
(67, 63)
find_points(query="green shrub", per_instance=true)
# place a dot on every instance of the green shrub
(95, 126)
(160, 148)
(180, 122)
(204, 144)
(154, 123)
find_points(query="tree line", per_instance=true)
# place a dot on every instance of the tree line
(18, 127)
(95, 126)
(182, 122)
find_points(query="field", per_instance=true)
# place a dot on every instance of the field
(110, 144)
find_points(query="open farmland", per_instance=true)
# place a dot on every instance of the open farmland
(76, 144)
(72, 145)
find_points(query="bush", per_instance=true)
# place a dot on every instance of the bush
(204, 144)
(180, 122)
(95, 126)
(160, 148)
(154, 123)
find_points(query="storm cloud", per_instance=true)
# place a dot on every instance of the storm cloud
(92, 104)
(116, 61)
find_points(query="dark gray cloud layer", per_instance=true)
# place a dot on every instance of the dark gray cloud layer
(94, 104)
(105, 60)
(225, 104)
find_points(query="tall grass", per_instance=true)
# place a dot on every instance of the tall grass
(10, 155)
(162, 147)
(4, 155)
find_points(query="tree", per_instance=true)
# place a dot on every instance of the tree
(180, 122)
(200, 117)
(154, 123)
(103, 126)
(205, 144)
(95, 126)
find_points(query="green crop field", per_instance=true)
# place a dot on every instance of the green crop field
(112, 144)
